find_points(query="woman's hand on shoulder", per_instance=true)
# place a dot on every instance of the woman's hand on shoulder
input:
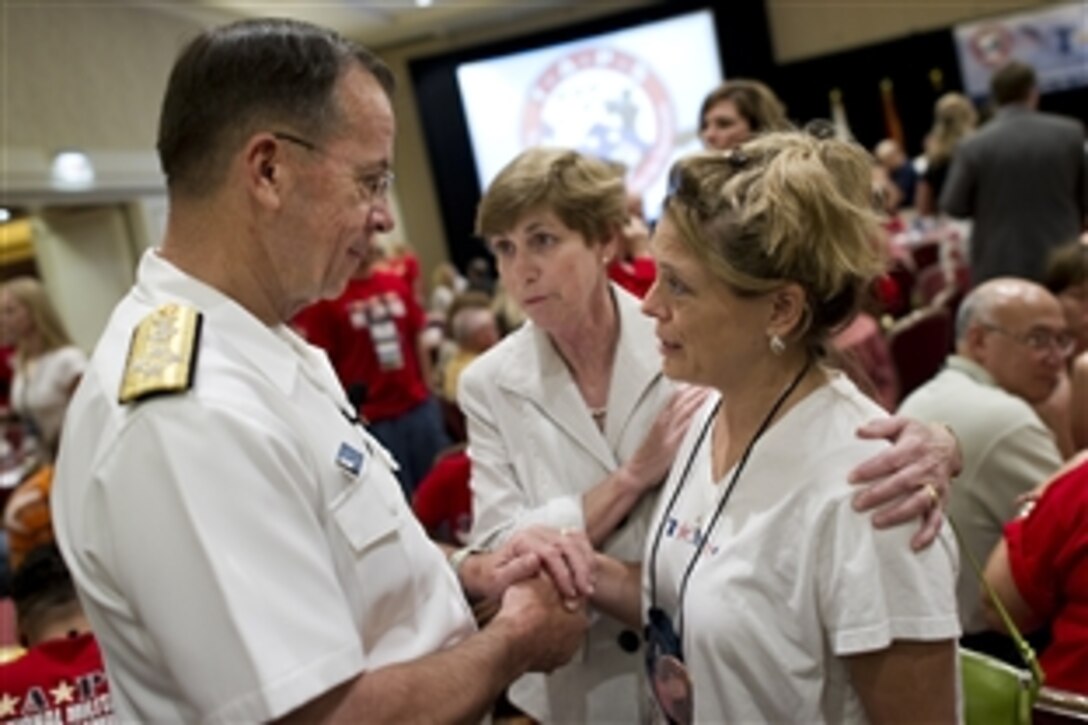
(649, 465)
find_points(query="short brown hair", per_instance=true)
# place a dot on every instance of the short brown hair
(785, 207)
(1067, 266)
(230, 79)
(755, 102)
(586, 193)
(1012, 83)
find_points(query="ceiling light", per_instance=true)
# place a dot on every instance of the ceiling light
(424, 3)
(72, 169)
(5, 215)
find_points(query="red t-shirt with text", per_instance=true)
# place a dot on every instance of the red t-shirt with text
(370, 334)
(60, 680)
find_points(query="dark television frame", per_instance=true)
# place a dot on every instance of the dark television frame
(744, 44)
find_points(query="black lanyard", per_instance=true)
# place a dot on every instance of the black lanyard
(705, 536)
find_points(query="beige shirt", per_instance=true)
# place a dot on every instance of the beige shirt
(1007, 451)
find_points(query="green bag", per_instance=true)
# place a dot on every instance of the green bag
(994, 692)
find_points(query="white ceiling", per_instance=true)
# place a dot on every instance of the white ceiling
(381, 24)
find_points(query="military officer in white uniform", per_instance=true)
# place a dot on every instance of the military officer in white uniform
(238, 540)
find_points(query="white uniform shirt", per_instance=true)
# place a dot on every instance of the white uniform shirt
(242, 547)
(792, 578)
(40, 390)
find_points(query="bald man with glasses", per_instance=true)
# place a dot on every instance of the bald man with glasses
(1011, 345)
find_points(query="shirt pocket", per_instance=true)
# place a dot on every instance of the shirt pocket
(375, 544)
(363, 514)
(361, 525)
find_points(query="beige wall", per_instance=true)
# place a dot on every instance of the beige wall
(808, 28)
(86, 75)
(86, 260)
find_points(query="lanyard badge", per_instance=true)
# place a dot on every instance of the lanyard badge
(669, 676)
(665, 668)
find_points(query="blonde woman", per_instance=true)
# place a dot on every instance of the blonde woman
(954, 117)
(766, 596)
(572, 425)
(47, 364)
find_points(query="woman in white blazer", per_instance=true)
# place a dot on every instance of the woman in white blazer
(571, 424)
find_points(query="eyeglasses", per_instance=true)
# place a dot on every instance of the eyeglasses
(372, 185)
(1039, 340)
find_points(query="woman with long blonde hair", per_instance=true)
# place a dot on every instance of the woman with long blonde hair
(954, 118)
(47, 363)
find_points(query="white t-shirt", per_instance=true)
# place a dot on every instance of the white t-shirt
(241, 547)
(41, 389)
(792, 578)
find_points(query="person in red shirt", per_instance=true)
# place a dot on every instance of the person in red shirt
(61, 678)
(633, 268)
(7, 371)
(1039, 570)
(372, 334)
(403, 262)
(443, 501)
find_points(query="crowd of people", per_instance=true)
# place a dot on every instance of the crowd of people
(647, 471)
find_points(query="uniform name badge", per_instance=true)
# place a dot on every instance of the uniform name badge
(350, 459)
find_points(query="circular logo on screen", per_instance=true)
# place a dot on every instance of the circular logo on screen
(991, 45)
(606, 103)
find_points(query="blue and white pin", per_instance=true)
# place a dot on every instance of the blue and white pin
(350, 459)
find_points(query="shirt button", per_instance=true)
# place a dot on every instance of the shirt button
(628, 641)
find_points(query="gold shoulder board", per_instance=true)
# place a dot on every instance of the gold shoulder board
(162, 355)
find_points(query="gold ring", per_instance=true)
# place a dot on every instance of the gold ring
(931, 490)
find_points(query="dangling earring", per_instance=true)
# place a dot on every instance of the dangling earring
(777, 345)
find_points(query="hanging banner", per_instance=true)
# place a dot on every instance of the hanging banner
(1053, 40)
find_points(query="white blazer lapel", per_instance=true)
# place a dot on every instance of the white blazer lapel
(637, 365)
(537, 373)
